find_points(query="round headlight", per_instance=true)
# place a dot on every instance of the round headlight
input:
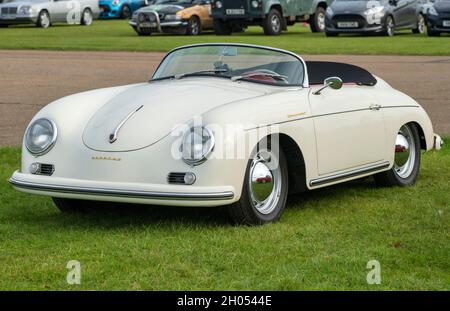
(197, 144)
(255, 4)
(40, 136)
(141, 17)
(152, 17)
(219, 4)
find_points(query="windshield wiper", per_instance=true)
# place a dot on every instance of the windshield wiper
(189, 74)
(275, 76)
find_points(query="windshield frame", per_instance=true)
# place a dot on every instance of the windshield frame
(303, 83)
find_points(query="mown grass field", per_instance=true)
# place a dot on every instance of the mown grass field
(119, 36)
(324, 241)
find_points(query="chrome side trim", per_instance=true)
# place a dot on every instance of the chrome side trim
(113, 136)
(348, 174)
(226, 195)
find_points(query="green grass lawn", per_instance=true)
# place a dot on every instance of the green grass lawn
(323, 241)
(118, 35)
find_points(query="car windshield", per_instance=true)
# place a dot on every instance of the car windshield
(236, 62)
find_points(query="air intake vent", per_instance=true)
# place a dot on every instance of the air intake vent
(42, 169)
(176, 178)
(181, 178)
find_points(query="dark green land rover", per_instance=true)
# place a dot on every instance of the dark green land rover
(273, 15)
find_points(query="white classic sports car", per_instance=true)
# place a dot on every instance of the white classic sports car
(230, 125)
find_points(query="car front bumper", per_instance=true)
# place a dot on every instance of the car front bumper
(436, 23)
(162, 26)
(156, 194)
(331, 24)
(18, 19)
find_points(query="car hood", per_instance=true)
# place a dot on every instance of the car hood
(442, 6)
(349, 7)
(167, 8)
(21, 3)
(165, 104)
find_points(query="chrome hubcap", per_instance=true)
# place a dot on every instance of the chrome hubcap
(276, 24)
(421, 25)
(321, 21)
(87, 17)
(390, 27)
(405, 152)
(264, 182)
(194, 27)
(45, 20)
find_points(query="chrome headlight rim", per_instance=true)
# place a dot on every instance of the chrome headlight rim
(52, 141)
(204, 156)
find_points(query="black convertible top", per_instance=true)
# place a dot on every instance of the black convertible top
(319, 71)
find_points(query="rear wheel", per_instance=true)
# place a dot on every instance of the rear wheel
(406, 159)
(222, 28)
(389, 27)
(264, 191)
(43, 19)
(420, 25)
(273, 23)
(317, 20)
(194, 26)
(87, 17)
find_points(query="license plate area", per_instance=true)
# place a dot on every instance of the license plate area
(235, 11)
(446, 23)
(347, 24)
(148, 25)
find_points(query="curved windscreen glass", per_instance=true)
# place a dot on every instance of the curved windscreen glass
(253, 64)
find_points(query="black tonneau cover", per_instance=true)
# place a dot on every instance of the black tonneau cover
(319, 71)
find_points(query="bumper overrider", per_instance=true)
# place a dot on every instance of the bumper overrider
(150, 21)
(121, 192)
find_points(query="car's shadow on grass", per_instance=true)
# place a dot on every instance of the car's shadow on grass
(118, 215)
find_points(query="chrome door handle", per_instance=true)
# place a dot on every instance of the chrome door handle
(374, 107)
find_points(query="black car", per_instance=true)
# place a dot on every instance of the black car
(438, 18)
(368, 16)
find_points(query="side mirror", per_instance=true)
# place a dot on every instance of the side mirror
(333, 82)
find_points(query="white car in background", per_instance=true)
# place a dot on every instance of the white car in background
(45, 12)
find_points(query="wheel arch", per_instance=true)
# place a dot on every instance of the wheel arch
(422, 137)
(321, 4)
(295, 162)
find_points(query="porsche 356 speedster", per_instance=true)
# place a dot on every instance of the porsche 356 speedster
(232, 125)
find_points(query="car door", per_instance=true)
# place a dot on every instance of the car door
(349, 129)
(401, 14)
(59, 10)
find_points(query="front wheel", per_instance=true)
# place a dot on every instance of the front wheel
(420, 28)
(406, 159)
(222, 28)
(273, 24)
(317, 20)
(264, 191)
(87, 17)
(43, 19)
(142, 31)
(389, 27)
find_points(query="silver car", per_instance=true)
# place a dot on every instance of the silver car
(43, 13)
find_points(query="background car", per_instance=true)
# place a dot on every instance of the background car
(189, 17)
(120, 8)
(438, 18)
(273, 15)
(368, 16)
(45, 12)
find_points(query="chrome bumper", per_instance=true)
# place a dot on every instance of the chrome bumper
(132, 193)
